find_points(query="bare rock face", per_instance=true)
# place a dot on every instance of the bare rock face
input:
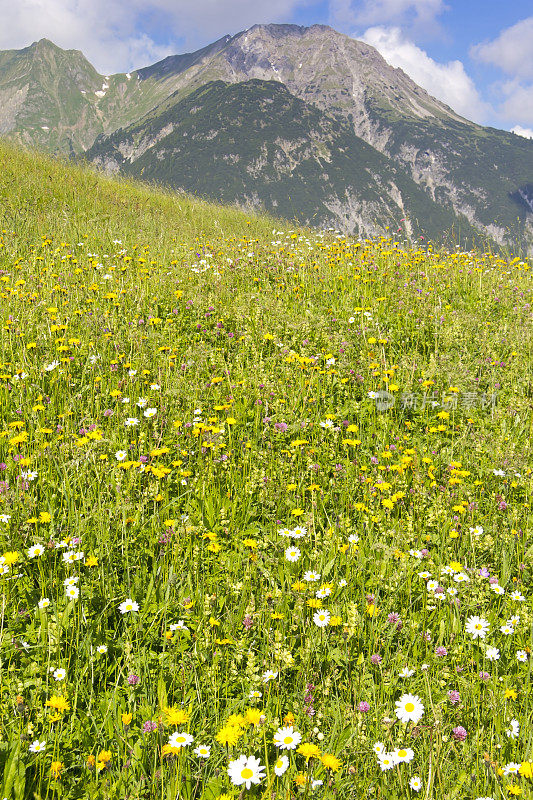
(329, 69)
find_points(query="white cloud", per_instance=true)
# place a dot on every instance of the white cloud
(518, 102)
(102, 29)
(447, 82)
(415, 15)
(511, 51)
(120, 35)
(527, 133)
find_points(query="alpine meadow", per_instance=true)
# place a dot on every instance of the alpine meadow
(265, 490)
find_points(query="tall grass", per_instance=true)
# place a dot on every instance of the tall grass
(191, 405)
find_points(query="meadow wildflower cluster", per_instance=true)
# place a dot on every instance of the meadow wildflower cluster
(223, 568)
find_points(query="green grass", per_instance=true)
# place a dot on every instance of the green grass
(257, 348)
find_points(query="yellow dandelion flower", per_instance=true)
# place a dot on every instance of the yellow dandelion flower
(331, 762)
(308, 750)
(228, 735)
(253, 716)
(176, 716)
(58, 702)
(55, 769)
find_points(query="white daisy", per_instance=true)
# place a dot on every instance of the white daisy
(179, 626)
(128, 605)
(403, 755)
(321, 618)
(287, 738)
(386, 761)
(281, 766)
(246, 770)
(477, 626)
(511, 768)
(298, 532)
(180, 739)
(292, 554)
(409, 708)
(406, 672)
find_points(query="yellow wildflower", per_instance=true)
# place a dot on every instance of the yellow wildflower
(229, 735)
(331, 762)
(253, 715)
(58, 702)
(55, 769)
(308, 750)
(177, 716)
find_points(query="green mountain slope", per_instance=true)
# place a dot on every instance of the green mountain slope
(482, 173)
(44, 97)
(256, 144)
(55, 100)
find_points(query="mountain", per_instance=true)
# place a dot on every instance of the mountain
(54, 99)
(256, 144)
(481, 178)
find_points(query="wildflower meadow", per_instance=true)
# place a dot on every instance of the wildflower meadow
(265, 504)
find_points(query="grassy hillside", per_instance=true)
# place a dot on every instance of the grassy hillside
(265, 505)
(41, 196)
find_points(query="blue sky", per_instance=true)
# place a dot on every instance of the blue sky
(476, 55)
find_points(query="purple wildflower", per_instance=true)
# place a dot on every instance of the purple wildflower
(459, 733)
